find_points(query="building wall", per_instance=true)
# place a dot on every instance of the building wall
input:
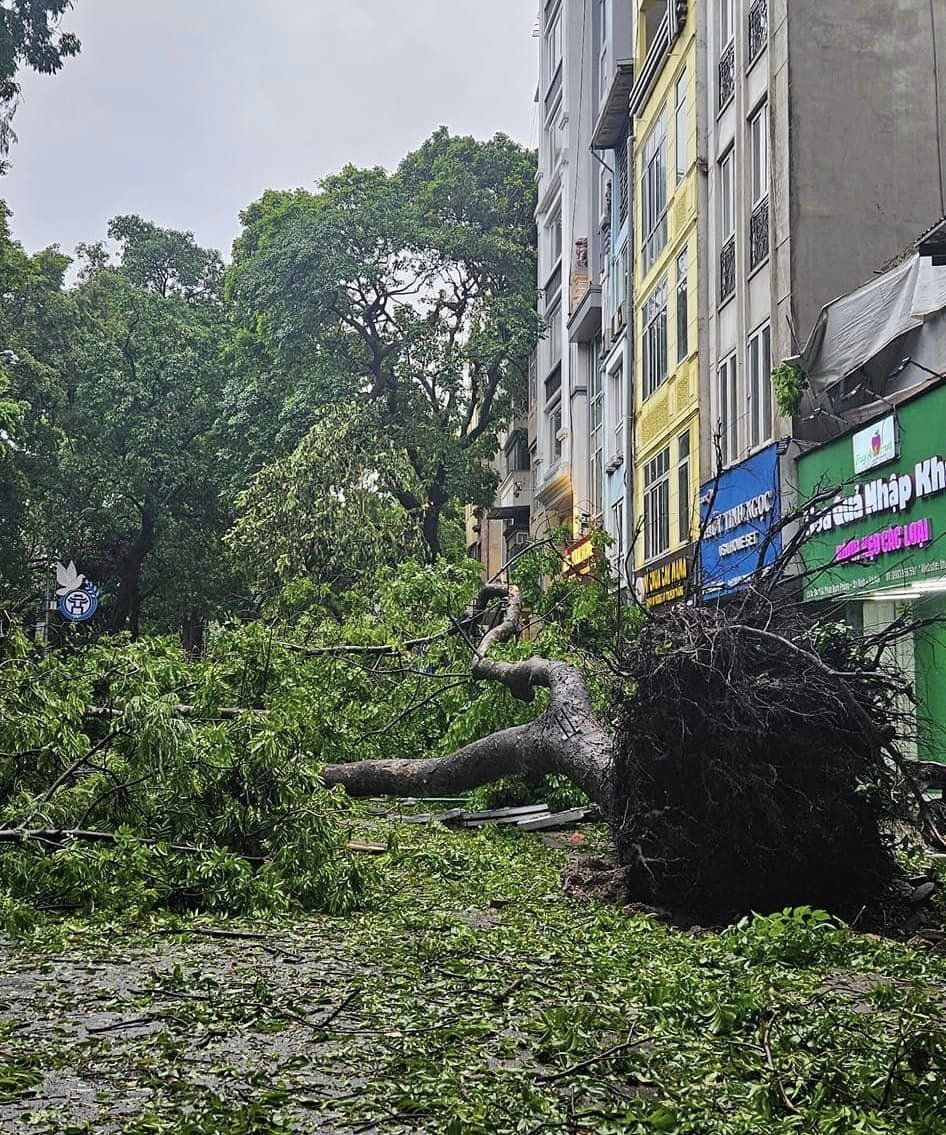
(865, 110)
(670, 412)
(739, 311)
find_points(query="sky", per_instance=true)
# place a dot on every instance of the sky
(184, 111)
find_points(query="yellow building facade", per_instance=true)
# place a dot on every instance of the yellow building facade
(666, 438)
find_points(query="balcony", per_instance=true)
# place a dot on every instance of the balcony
(727, 75)
(759, 234)
(758, 29)
(727, 270)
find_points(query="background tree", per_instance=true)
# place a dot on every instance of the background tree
(29, 37)
(412, 293)
(140, 469)
(37, 321)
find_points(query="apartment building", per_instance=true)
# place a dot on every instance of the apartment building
(580, 396)
(664, 106)
(823, 158)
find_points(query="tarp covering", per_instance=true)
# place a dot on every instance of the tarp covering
(853, 329)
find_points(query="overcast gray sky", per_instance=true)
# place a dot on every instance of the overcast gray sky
(184, 111)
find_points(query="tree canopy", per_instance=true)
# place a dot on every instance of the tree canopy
(411, 292)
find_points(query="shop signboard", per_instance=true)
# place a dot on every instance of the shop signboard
(667, 580)
(877, 445)
(740, 512)
(881, 528)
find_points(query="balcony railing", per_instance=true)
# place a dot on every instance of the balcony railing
(727, 75)
(759, 233)
(727, 270)
(758, 28)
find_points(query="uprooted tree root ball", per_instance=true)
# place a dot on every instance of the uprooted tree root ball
(755, 762)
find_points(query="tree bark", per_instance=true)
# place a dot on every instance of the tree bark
(566, 738)
(129, 560)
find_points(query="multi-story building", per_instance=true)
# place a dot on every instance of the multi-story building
(495, 535)
(664, 106)
(579, 401)
(823, 157)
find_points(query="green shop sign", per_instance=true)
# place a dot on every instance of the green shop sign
(886, 526)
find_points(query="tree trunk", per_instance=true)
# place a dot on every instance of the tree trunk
(129, 561)
(565, 739)
(192, 636)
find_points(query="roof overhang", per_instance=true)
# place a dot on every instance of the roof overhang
(516, 512)
(614, 119)
(585, 323)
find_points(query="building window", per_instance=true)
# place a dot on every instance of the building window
(623, 171)
(553, 138)
(533, 378)
(554, 341)
(726, 70)
(654, 193)
(553, 41)
(727, 23)
(760, 387)
(553, 238)
(683, 317)
(555, 433)
(759, 153)
(596, 399)
(758, 28)
(727, 196)
(759, 159)
(682, 128)
(727, 226)
(657, 505)
(616, 407)
(617, 530)
(727, 401)
(654, 351)
(683, 486)
(517, 452)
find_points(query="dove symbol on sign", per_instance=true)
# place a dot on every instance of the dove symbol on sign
(68, 578)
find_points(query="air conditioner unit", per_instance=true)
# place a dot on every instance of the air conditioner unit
(618, 322)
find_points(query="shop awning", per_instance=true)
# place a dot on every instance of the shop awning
(855, 328)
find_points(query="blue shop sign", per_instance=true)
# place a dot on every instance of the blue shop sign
(738, 538)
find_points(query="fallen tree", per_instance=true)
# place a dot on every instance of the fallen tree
(753, 759)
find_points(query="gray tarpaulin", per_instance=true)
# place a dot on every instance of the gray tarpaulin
(853, 329)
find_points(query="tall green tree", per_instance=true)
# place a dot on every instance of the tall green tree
(29, 37)
(140, 503)
(412, 293)
(37, 323)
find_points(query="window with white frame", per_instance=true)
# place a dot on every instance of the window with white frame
(657, 505)
(553, 44)
(554, 340)
(727, 197)
(616, 408)
(617, 529)
(654, 193)
(760, 387)
(554, 418)
(727, 23)
(654, 346)
(759, 154)
(727, 400)
(683, 315)
(553, 240)
(683, 487)
(553, 138)
(682, 129)
(596, 399)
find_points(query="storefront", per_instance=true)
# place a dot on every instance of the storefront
(668, 580)
(878, 546)
(741, 511)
